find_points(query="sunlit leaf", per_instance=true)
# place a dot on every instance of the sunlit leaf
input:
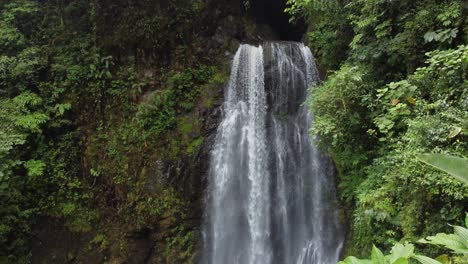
(425, 260)
(400, 261)
(354, 260)
(445, 259)
(451, 241)
(454, 132)
(401, 251)
(377, 256)
(411, 100)
(455, 166)
(462, 233)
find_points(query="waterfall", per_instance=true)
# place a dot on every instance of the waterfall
(270, 196)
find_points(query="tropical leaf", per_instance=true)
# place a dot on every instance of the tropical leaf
(395, 102)
(354, 260)
(400, 251)
(377, 256)
(411, 100)
(400, 261)
(454, 132)
(455, 166)
(450, 241)
(444, 259)
(462, 233)
(425, 260)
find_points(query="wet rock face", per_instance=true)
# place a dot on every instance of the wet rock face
(202, 26)
(272, 14)
(55, 243)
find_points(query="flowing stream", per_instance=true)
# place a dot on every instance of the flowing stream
(271, 193)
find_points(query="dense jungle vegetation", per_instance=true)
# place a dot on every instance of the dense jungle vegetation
(396, 87)
(99, 98)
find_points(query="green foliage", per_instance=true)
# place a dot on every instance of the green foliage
(399, 90)
(390, 37)
(456, 242)
(35, 168)
(410, 120)
(41, 84)
(101, 241)
(331, 30)
(159, 112)
(457, 167)
(22, 118)
(335, 103)
(400, 254)
(449, 18)
(79, 140)
(157, 116)
(338, 101)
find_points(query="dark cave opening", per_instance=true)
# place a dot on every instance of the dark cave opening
(271, 12)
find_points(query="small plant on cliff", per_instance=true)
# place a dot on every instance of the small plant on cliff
(159, 113)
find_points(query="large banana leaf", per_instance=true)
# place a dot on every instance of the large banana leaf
(455, 166)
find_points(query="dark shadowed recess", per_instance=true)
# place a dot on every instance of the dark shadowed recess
(271, 12)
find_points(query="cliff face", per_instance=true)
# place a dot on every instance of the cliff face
(143, 163)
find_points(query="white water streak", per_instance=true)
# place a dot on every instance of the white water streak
(271, 193)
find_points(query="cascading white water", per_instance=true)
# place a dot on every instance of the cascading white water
(271, 195)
